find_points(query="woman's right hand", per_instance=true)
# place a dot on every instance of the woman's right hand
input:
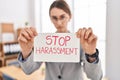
(26, 39)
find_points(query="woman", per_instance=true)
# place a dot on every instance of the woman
(60, 15)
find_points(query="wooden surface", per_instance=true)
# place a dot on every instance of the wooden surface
(7, 27)
(18, 74)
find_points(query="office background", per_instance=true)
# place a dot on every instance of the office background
(102, 15)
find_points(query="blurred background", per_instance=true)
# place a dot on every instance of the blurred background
(102, 15)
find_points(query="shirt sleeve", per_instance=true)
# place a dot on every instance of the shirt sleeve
(93, 70)
(20, 58)
(28, 65)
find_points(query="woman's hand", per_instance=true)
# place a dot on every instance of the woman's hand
(26, 39)
(87, 40)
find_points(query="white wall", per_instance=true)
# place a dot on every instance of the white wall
(113, 40)
(17, 12)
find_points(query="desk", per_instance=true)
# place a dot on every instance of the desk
(18, 74)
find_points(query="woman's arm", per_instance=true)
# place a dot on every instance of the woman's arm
(28, 65)
(91, 65)
(25, 58)
(93, 70)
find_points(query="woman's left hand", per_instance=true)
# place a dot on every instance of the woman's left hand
(87, 40)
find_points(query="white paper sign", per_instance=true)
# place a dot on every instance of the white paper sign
(56, 47)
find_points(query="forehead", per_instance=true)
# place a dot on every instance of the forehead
(57, 12)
